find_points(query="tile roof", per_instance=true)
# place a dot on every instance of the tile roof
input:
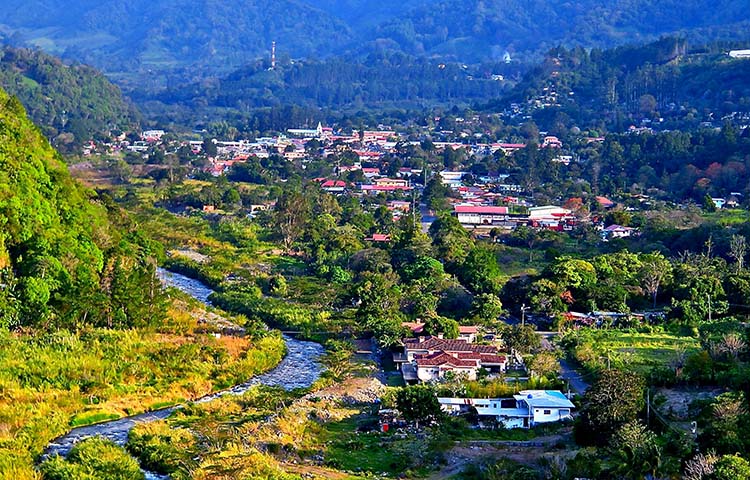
(442, 358)
(434, 344)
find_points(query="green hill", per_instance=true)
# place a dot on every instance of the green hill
(63, 262)
(71, 103)
(665, 82)
(159, 43)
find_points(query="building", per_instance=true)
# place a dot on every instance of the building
(618, 231)
(391, 182)
(480, 215)
(333, 186)
(739, 53)
(427, 359)
(525, 410)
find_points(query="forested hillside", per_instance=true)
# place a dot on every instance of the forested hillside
(481, 29)
(665, 82)
(179, 40)
(71, 103)
(396, 80)
(63, 263)
(171, 35)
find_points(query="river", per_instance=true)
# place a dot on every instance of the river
(299, 369)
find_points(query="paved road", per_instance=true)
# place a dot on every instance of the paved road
(577, 383)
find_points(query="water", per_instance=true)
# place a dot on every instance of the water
(299, 369)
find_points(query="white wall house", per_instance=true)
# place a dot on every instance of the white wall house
(480, 214)
(524, 410)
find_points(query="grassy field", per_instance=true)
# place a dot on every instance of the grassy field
(53, 382)
(640, 352)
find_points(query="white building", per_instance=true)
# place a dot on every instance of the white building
(480, 215)
(526, 409)
(739, 53)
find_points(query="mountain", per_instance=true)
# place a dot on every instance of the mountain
(126, 36)
(475, 30)
(71, 103)
(388, 81)
(67, 257)
(157, 43)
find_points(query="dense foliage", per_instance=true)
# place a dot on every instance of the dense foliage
(63, 262)
(72, 104)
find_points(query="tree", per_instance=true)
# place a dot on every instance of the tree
(655, 271)
(436, 325)
(480, 272)
(616, 398)
(450, 239)
(291, 213)
(436, 194)
(521, 338)
(636, 451)
(210, 148)
(486, 307)
(732, 344)
(544, 364)
(732, 467)
(418, 403)
(738, 251)
(379, 298)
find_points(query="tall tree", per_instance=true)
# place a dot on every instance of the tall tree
(291, 214)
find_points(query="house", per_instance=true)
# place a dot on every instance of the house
(480, 215)
(333, 186)
(605, 202)
(551, 217)
(525, 410)
(618, 231)
(427, 359)
(391, 182)
(370, 172)
(379, 238)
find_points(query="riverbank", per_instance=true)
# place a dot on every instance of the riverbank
(54, 382)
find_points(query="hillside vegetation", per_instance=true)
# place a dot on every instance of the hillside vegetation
(71, 103)
(177, 37)
(63, 261)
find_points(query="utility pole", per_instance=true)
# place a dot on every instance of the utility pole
(709, 307)
(523, 314)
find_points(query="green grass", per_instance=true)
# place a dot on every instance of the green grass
(90, 418)
(640, 352)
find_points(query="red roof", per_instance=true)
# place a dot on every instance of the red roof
(442, 358)
(384, 188)
(333, 184)
(466, 329)
(435, 344)
(481, 209)
(379, 237)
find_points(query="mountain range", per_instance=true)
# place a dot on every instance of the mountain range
(168, 41)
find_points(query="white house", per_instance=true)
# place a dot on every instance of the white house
(618, 231)
(427, 359)
(480, 215)
(526, 409)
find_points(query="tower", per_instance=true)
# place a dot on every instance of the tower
(273, 55)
